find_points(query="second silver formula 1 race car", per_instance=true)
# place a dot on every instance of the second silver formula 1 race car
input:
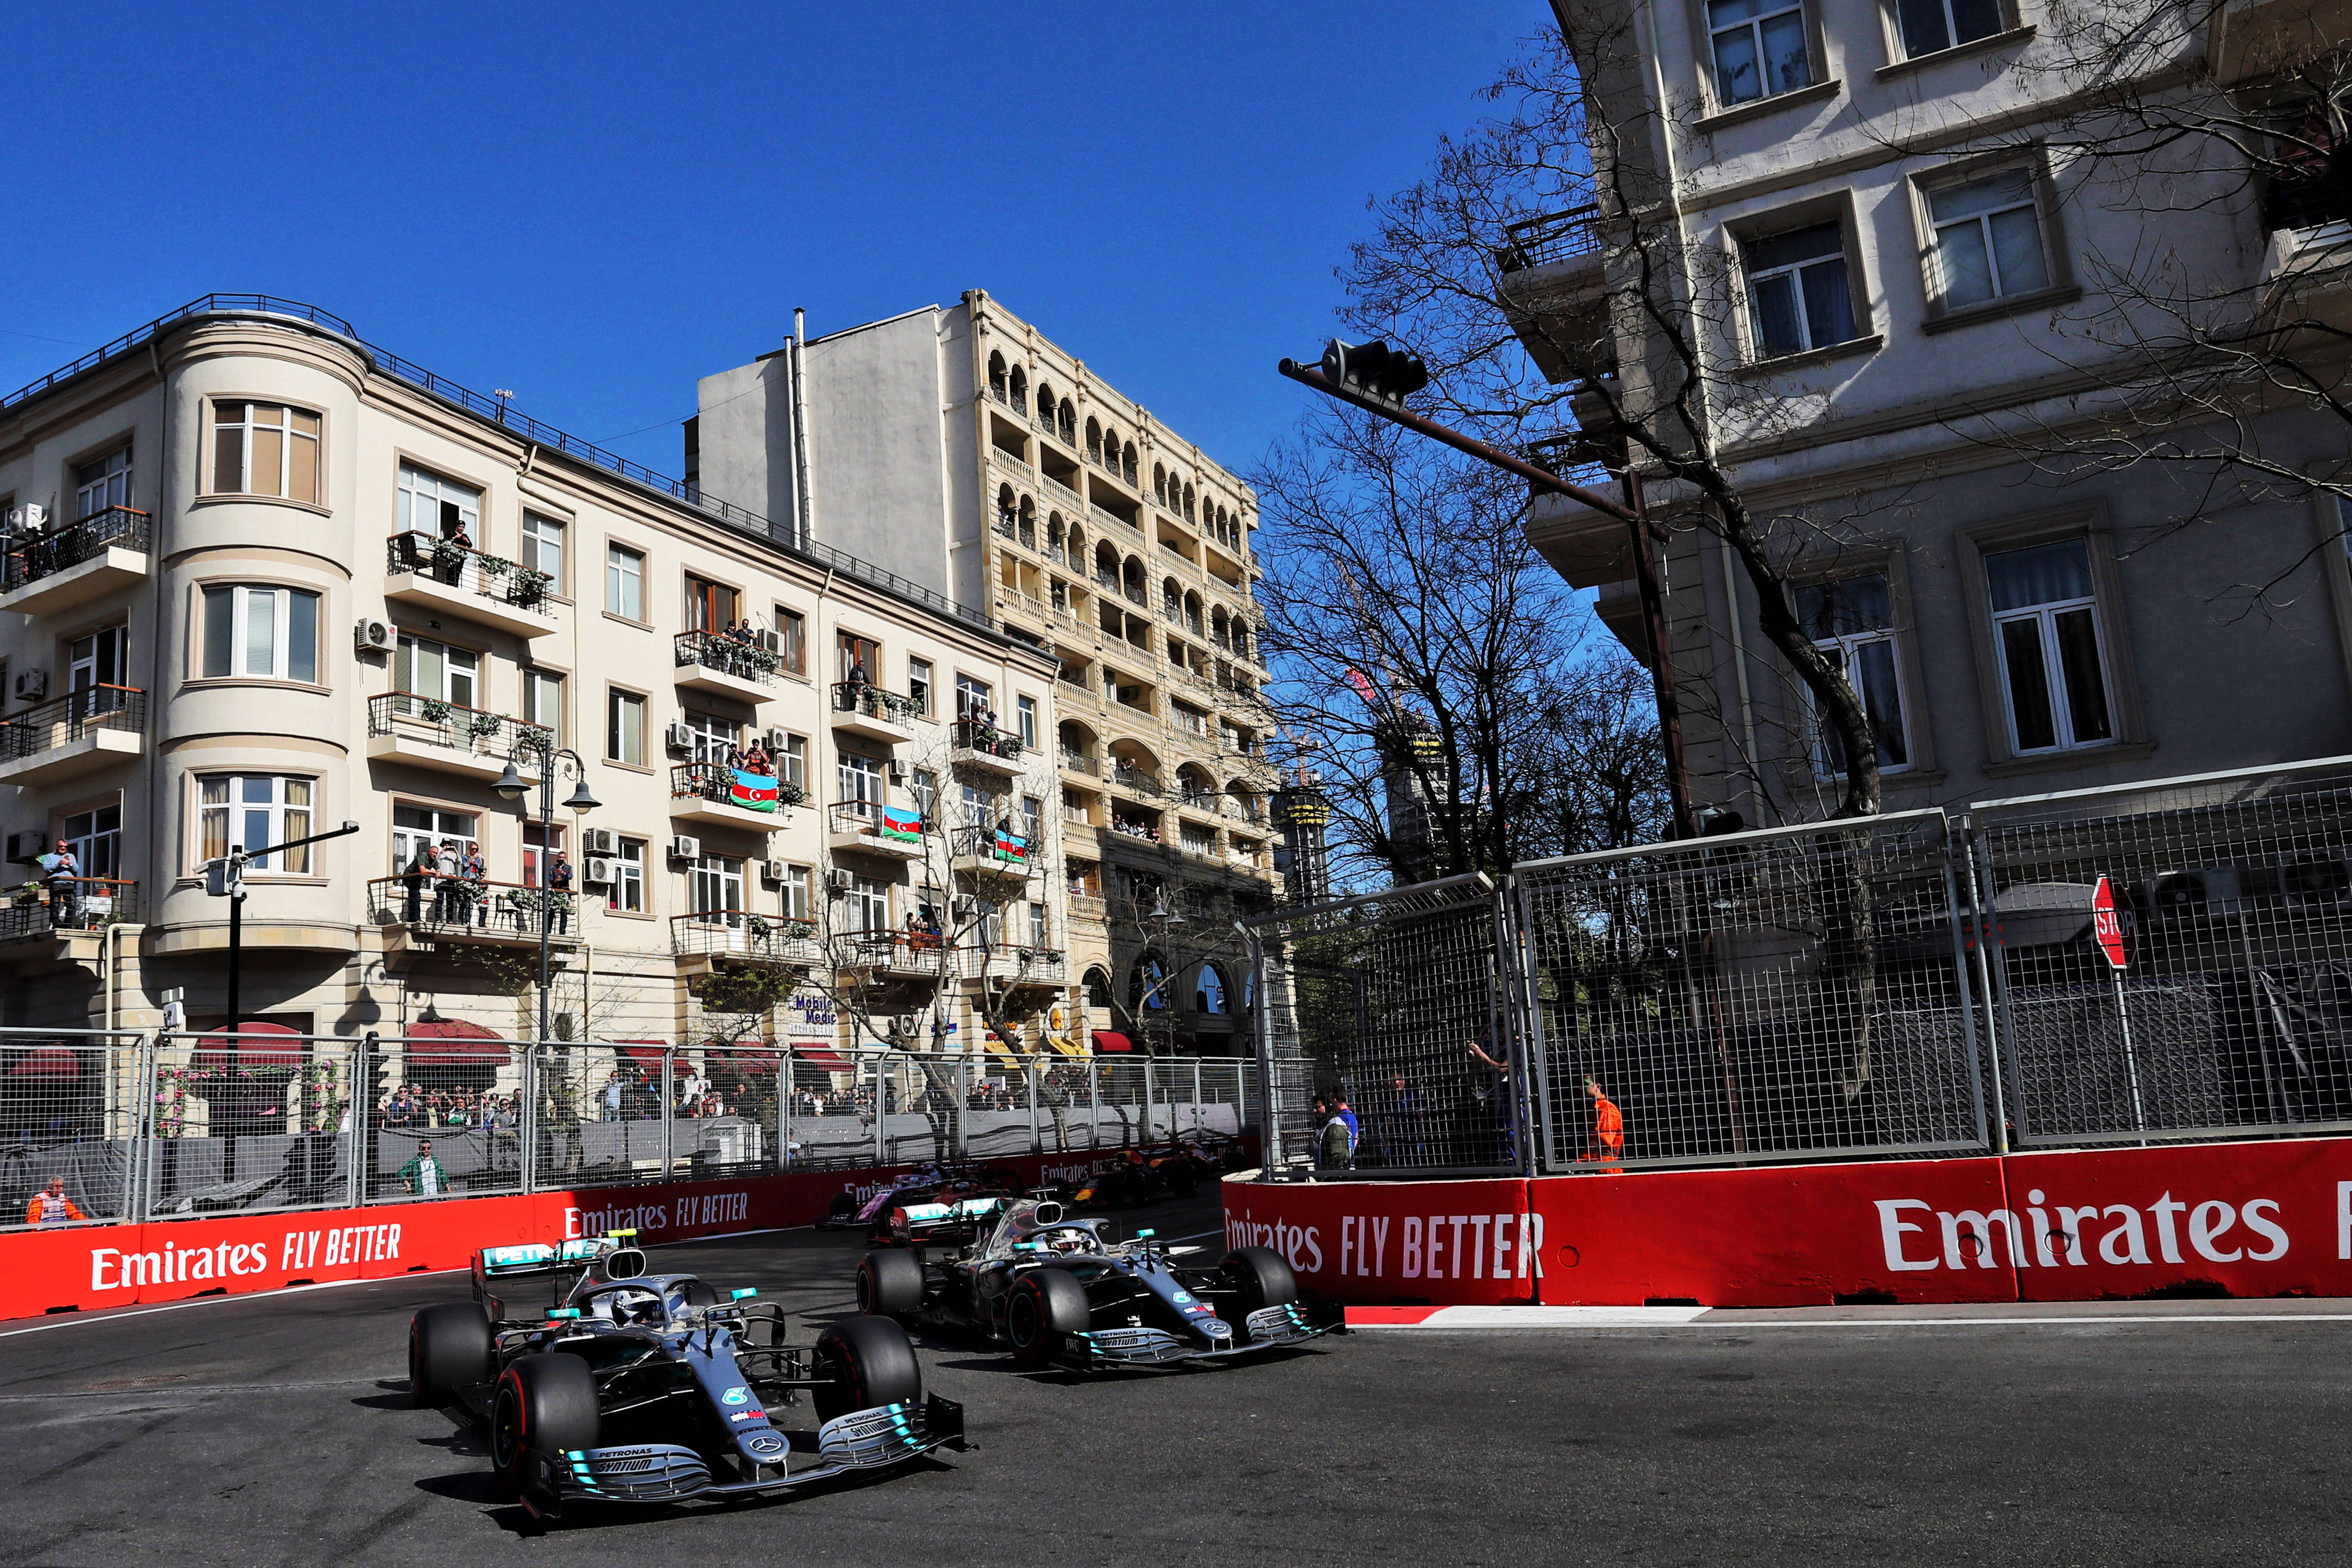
(1056, 1289)
(632, 1387)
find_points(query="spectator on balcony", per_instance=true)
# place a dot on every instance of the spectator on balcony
(477, 873)
(754, 759)
(556, 904)
(419, 876)
(448, 897)
(62, 871)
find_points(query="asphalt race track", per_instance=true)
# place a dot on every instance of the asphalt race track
(277, 1429)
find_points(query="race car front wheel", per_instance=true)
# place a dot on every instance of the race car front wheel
(1260, 1277)
(1044, 1308)
(545, 1405)
(889, 1283)
(449, 1348)
(867, 1361)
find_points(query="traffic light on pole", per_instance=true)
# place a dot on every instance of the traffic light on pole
(1374, 370)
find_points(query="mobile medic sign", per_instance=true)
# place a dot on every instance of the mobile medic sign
(2107, 927)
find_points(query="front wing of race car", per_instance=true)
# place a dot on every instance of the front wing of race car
(870, 1439)
(1269, 1329)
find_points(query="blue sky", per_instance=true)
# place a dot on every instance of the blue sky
(595, 205)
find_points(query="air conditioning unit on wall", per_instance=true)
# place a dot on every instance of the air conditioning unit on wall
(597, 872)
(838, 880)
(599, 841)
(372, 636)
(774, 871)
(681, 847)
(678, 738)
(31, 684)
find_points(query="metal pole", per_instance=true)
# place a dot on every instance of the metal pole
(527, 1124)
(235, 957)
(1029, 1092)
(784, 1109)
(1662, 659)
(669, 1108)
(546, 913)
(880, 1156)
(2131, 1059)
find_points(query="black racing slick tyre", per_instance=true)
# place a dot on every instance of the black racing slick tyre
(1044, 1308)
(545, 1405)
(889, 1283)
(1260, 1278)
(449, 1348)
(867, 1361)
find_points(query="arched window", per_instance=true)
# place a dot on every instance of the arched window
(1134, 579)
(1019, 390)
(1193, 613)
(1004, 507)
(1046, 405)
(1209, 991)
(1107, 562)
(1077, 547)
(1028, 522)
(1171, 598)
(1094, 440)
(1160, 484)
(1147, 991)
(1240, 630)
(1188, 502)
(996, 373)
(1098, 988)
(1127, 462)
(1069, 422)
(1054, 531)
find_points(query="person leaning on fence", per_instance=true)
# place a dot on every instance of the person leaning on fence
(63, 874)
(1606, 1147)
(1497, 1099)
(51, 1207)
(423, 1175)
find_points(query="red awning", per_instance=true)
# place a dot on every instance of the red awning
(649, 1051)
(258, 1045)
(1108, 1042)
(818, 1056)
(48, 1061)
(451, 1040)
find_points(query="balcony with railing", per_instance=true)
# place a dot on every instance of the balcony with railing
(902, 955)
(1089, 906)
(1059, 492)
(710, 938)
(451, 737)
(977, 744)
(1012, 460)
(1137, 781)
(869, 827)
(42, 909)
(420, 910)
(862, 708)
(77, 733)
(75, 563)
(1551, 239)
(726, 796)
(1012, 965)
(1085, 762)
(443, 575)
(1104, 514)
(993, 853)
(729, 666)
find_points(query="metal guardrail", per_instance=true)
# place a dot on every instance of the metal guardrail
(971, 737)
(35, 907)
(741, 936)
(447, 560)
(727, 656)
(29, 558)
(472, 731)
(894, 952)
(865, 818)
(715, 781)
(1553, 238)
(498, 412)
(61, 720)
(873, 702)
(465, 908)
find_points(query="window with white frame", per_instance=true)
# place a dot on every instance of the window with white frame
(542, 841)
(1852, 622)
(1026, 710)
(974, 700)
(858, 783)
(713, 738)
(625, 727)
(797, 882)
(436, 672)
(866, 906)
(1988, 239)
(441, 508)
(425, 828)
(918, 685)
(249, 811)
(260, 632)
(543, 548)
(1033, 820)
(791, 761)
(543, 701)
(102, 482)
(627, 893)
(1798, 295)
(924, 786)
(791, 633)
(1929, 25)
(1758, 48)
(1040, 932)
(96, 836)
(625, 582)
(978, 808)
(265, 449)
(717, 884)
(2052, 646)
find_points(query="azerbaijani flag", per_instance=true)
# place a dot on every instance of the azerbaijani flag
(1011, 845)
(907, 826)
(753, 792)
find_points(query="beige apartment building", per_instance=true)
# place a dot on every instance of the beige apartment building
(264, 579)
(1904, 277)
(961, 449)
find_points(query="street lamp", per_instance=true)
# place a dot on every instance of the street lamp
(1168, 920)
(511, 786)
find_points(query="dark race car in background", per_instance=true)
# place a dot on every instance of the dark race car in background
(636, 1388)
(942, 1192)
(1056, 1289)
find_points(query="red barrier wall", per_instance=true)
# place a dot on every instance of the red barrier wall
(87, 1267)
(2260, 1219)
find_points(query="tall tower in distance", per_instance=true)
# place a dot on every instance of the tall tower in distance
(1302, 814)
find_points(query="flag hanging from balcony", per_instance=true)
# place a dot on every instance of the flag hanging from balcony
(905, 826)
(1011, 845)
(754, 791)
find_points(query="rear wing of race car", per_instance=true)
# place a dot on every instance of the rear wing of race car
(934, 1221)
(616, 1251)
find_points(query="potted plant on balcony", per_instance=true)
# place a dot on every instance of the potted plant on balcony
(482, 726)
(432, 711)
(528, 589)
(450, 559)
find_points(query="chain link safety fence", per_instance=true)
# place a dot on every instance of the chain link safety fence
(1758, 995)
(1388, 1036)
(2231, 1009)
(130, 1125)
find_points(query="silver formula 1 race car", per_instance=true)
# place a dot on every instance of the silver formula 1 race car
(632, 1387)
(1058, 1289)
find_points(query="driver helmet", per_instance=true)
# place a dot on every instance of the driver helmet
(638, 1309)
(1068, 1239)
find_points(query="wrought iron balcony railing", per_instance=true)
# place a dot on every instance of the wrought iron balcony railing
(727, 656)
(978, 738)
(28, 558)
(41, 907)
(865, 697)
(1555, 236)
(740, 934)
(489, 576)
(464, 908)
(61, 720)
(471, 730)
(716, 782)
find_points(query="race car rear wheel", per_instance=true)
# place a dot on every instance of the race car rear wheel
(889, 1283)
(869, 1363)
(449, 1348)
(545, 1405)
(1044, 1308)
(1260, 1277)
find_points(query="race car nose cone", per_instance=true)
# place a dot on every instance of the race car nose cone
(1216, 1328)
